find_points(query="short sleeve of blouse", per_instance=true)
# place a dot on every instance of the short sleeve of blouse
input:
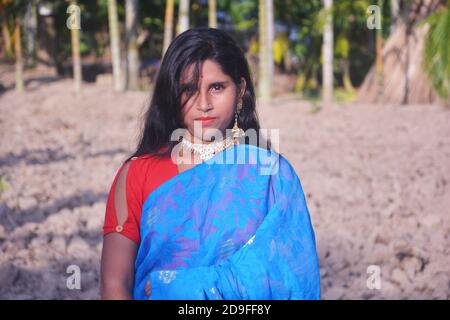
(124, 204)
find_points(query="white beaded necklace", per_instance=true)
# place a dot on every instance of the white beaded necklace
(206, 151)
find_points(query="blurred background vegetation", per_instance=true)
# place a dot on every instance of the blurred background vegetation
(282, 39)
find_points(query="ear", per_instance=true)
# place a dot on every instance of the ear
(242, 88)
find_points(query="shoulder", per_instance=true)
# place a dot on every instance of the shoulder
(135, 166)
(148, 171)
(286, 167)
(270, 161)
(144, 163)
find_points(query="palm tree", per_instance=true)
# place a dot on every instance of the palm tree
(18, 55)
(342, 53)
(6, 35)
(115, 43)
(395, 12)
(131, 9)
(265, 19)
(16, 11)
(31, 32)
(346, 16)
(168, 25)
(404, 82)
(327, 54)
(75, 41)
(436, 60)
(271, 35)
(379, 58)
(212, 14)
(183, 16)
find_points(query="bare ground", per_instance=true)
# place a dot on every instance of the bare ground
(377, 180)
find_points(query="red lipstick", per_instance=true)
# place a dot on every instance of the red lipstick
(205, 120)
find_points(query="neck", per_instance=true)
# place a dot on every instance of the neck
(193, 139)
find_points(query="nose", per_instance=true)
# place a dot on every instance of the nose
(203, 103)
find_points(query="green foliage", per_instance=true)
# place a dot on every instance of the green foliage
(298, 30)
(343, 96)
(86, 44)
(280, 47)
(4, 185)
(152, 23)
(305, 21)
(300, 83)
(300, 49)
(244, 14)
(102, 10)
(253, 47)
(342, 47)
(347, 14)
(436, 62)
(320, 18)
(17, 7)
(14, 10)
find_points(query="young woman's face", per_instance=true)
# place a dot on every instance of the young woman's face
(212, 106)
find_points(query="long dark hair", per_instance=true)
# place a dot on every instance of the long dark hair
(164, 113)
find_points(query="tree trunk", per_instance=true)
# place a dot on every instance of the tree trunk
(46, 50)
(6, 34)
(31, 32)
(115, 44)
(168, 25)
(76, 59)
(379, 59)
(131, 10)
(347, 81)
(183, 16)
(19, 57)
(212, 14)
(403, 78)
(271, 35)
(265, 60)
(395, 12)
(327, 52)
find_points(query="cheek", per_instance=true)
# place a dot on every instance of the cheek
(224, 106)
(189, 113)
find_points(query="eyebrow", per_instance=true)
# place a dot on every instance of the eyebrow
(219, 82)
(211, 84)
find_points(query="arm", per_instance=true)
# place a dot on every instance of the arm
(117, 267)
(120, 248)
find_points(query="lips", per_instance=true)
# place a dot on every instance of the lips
(206, 120)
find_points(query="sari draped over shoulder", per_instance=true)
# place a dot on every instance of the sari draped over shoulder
(236, 226)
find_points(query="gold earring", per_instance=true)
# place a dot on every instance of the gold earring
(236, 130)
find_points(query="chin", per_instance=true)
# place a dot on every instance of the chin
(212, 133)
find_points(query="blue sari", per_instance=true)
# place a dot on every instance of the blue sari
(233, 227)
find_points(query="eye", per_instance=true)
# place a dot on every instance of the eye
(189, 89)
(217, 86)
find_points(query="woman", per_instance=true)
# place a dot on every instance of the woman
(204, 209)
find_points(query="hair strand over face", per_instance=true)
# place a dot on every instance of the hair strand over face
(164, 114)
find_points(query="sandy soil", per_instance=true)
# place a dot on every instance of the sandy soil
(376, 179)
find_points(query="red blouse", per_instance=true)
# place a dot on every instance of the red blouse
(145, 174)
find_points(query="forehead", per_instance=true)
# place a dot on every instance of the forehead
(208, 71)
